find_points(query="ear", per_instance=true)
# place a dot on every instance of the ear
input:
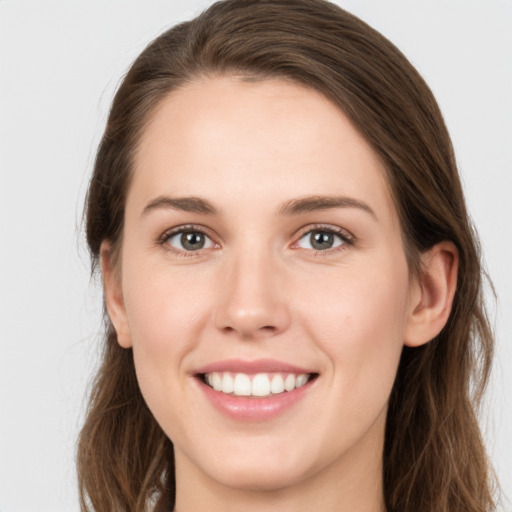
(432, 294)
(114, 295)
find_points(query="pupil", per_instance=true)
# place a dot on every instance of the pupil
(192, 241)
(321, 240)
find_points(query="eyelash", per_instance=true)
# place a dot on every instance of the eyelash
(347, 238)
(189, 228)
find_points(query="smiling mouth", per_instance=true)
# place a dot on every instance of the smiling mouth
(259, 385)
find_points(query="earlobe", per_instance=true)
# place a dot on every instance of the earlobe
(114, 295)
(433, 294)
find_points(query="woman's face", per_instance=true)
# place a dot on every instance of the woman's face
(262, 251)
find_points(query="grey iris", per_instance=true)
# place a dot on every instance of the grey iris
(192, 241)
(320, 240)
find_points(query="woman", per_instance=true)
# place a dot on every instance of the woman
(292, 283)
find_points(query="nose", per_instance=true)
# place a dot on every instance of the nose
(252, 300)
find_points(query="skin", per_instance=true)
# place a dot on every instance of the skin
(259, 290)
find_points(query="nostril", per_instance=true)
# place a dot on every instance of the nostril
(251, 319)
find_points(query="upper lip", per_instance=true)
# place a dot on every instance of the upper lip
(250, 367)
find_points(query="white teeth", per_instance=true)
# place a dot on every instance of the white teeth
(259, 385)
(277, 385)
(228, 384)
(217, 381)
(301, 380)
(242, 385)
(289, 382)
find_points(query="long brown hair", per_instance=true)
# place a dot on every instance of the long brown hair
(434, 458)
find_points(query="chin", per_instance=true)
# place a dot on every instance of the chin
(256, 479)
(261, 468)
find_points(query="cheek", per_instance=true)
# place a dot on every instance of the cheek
(165, 322)
(164, 306)
(358, 321)
(166, 313)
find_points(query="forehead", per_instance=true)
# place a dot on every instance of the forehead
(229, 138)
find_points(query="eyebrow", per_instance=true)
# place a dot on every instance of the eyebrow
(186, 204)
(315, 203)
(293, 207)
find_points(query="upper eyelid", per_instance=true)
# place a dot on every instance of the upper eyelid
(344, 233)
(168, 233)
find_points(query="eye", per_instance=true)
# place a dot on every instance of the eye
(321, 240)
(189, 240)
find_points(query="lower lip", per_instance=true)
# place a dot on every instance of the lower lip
(254, 409)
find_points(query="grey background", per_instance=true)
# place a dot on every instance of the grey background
(59, 65)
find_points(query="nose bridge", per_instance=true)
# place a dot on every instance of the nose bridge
(252, 300)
